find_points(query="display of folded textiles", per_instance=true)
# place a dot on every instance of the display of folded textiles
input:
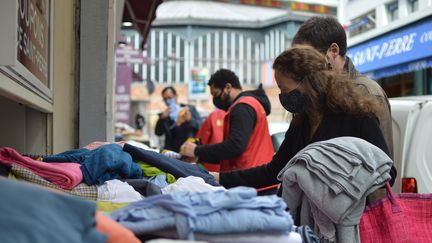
(82, 189)
(237, 210)
(65, 175)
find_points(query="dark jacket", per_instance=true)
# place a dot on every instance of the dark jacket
(175, 135)
(242, 123)
(333, 125)
(369, 87)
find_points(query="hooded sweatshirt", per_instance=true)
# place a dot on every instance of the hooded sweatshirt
(242, 123)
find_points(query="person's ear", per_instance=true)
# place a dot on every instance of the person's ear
(333, 51)
(228, 87)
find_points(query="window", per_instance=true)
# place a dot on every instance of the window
(392, 11)
(362, 24)
(413, 5)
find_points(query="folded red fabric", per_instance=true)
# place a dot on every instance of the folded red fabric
(65, 175)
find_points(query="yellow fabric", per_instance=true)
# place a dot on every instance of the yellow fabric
(109, 207)
(150, 170)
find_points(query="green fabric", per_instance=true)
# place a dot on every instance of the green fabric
(149, 170)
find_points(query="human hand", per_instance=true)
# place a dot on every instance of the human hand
(188, 149)
(184, 116)
(165, 113)
(215, 175)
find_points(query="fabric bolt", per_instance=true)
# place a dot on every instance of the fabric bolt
(65, 175)
(238, 210)
(149, 170)
(37, 215)
(116, 232)
(81, 190)
(102, 164)
(309, 179)
(175, 167)
(117, 191)
(190, 184)
(144, 187)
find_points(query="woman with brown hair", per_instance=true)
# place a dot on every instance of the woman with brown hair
(324, 105)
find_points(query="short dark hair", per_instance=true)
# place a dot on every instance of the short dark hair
(223, 76)
(320, 32)
(169, 88)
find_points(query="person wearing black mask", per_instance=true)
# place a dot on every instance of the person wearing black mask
(247, 141)
(325, 105)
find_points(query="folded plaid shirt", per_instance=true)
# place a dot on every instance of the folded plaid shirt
(82, 189)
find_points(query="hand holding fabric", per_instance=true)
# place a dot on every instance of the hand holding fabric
(188, 149)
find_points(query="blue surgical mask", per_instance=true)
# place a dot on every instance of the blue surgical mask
(294, 101)
(170, 102)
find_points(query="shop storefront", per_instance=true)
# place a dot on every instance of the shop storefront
(400, 61)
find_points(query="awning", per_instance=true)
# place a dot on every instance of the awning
(141, 13)
(401, 68)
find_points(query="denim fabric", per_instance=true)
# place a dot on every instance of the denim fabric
(75, 155)
(175, 167)
(237, 210)
(105, 163)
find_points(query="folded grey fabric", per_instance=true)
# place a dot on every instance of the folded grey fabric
(329, 181)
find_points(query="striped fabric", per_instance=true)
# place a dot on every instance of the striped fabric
(82, 189)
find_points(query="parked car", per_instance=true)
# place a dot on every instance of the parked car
(277, 132)
(412, 141)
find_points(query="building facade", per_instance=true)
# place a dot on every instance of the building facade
(190, 40)
(390, 41)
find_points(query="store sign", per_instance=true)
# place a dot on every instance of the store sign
(198, 84)
(408, 44)
(33, 37)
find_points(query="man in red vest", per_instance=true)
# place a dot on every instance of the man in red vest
(246, 139)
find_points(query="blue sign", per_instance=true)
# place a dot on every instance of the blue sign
(408, 44)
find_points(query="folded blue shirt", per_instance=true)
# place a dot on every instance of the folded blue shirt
(175, 167)
(238, 210)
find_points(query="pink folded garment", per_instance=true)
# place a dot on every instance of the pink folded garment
(65, 175)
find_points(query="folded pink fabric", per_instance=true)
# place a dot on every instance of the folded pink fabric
(65, 175)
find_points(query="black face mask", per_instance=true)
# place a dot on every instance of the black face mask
(220, 103)
(293, 101)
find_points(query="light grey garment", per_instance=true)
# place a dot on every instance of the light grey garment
(321, 179)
